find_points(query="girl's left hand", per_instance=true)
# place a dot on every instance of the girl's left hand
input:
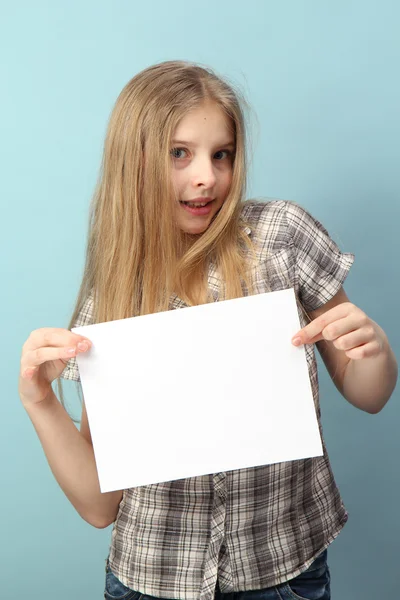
(348, 328)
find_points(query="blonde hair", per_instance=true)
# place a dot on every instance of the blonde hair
(136, 255)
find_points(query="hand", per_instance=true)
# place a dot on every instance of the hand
(348, 328)
(44, 357)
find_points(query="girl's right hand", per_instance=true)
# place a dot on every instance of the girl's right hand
(44, 357)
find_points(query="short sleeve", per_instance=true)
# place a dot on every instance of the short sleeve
(85, 317)
(321, 267)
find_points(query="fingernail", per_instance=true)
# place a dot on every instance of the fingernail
(296, 341)
(83, 346)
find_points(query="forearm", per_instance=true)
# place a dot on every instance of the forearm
(369, 382)
(71, 459)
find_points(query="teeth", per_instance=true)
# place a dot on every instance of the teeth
(195, 205)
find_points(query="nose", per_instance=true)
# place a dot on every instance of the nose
(204, 174)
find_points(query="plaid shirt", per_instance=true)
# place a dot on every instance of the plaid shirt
(250, 528)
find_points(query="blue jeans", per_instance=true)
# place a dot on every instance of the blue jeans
(312, 584)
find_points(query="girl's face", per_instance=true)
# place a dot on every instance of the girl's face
(202, 162)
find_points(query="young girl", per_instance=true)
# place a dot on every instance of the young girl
(170, 228)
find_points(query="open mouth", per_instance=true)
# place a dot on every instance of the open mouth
(197, 208)
(196, 204)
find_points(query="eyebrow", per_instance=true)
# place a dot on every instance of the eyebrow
(230, 144)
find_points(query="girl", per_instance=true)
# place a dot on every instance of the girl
(169, 228)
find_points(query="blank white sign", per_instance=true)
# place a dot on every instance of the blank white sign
(198, 390)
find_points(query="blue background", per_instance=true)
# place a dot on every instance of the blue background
(322, 78)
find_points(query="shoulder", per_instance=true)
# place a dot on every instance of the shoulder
(276, 218)
(273, 222)
(258, 212)
(264, 220)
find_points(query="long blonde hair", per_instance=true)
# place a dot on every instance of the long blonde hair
(136, 257)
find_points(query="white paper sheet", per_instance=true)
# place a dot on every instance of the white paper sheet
(198, 390)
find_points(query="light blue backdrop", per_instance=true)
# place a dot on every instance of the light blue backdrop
(323, 79)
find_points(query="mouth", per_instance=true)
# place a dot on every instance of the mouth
(198, 207)
(197, 203)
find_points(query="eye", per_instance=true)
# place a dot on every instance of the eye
(177, 152)
(228, 154)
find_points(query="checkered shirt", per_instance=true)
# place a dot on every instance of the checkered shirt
(249, 528)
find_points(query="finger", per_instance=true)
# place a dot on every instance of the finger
(354, 339)
(366, 351)
(340, 328)
(48, 336)
(35, 358)
(28, 373)
(312, 332)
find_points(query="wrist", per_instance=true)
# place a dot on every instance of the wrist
(48, 402)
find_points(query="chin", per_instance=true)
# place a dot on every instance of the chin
(195, 228)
